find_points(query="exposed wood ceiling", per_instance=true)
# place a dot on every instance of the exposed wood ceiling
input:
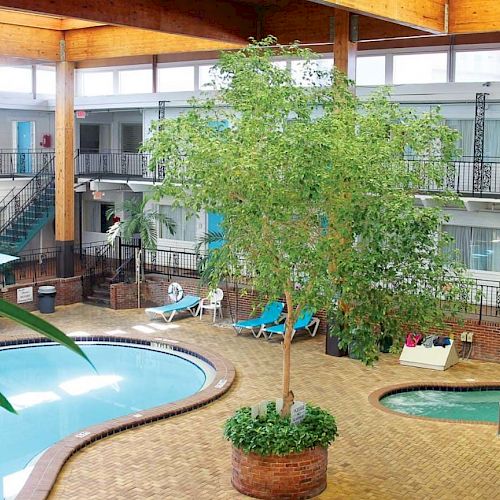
(34, 29)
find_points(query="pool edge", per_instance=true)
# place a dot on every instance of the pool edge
(375, 397)
(46, 470)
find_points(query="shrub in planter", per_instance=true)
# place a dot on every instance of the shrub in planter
(273, 458)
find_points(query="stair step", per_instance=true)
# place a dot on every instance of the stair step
(98, 301)
(100, 292)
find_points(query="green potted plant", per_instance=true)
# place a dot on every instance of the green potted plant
(306, 178)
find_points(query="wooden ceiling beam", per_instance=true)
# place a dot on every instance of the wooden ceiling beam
(425, 15)
(225, 20)
(474, 16)
(113, 41)
(31, 20)
(30, 43)
(312, 23)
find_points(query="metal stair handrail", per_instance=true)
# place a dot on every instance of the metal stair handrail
(122, 271)
(14, 208)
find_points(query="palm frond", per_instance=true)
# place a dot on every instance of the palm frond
(210, 237)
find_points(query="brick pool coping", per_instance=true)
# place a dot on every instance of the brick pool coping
(375, 397)
(45, 471)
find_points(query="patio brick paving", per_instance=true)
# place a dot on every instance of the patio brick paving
(377, 456)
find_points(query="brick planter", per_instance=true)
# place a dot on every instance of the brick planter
(294, 476)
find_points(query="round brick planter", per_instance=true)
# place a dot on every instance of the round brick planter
(294, 476)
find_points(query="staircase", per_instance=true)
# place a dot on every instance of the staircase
(25, 212)
(100, 278)
(99, 296)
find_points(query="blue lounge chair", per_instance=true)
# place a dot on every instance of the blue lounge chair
(188, 303)
(270, 315)
(305, 322)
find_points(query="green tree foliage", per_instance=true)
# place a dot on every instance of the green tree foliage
(318, 201)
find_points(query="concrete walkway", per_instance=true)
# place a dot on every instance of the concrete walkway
(378, 455)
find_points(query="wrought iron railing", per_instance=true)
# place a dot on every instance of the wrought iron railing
(182, 263)
(32, 266)
(113, 164)
(19, 211)
(464, 176)
(96, 261)
(14, 163)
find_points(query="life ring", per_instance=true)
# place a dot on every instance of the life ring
(175, 292)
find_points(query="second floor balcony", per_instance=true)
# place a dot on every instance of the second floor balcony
(464, 176)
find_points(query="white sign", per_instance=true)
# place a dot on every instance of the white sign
(297, 412)
(279, 406)
(25, 295)
(259, 410)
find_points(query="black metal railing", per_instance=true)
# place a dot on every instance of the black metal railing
(14, 163)
(32, 266)
(125, 272)
(182, 263)
(463, 176)
(112, 163)
(19, 211)
(95, 262)
(483, 300)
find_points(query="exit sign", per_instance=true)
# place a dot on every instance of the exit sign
(81, 114)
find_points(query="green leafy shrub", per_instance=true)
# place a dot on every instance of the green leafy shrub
(274, 435)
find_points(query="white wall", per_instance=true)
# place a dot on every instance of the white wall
(44, 124)
(114, 120)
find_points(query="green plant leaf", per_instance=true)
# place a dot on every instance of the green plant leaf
(4, 403)
(25, 318)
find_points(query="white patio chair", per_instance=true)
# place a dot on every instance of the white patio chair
(213, 302)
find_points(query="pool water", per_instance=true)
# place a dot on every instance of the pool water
(452, 405)
(56, 393)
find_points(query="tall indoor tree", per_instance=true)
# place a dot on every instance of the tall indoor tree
(317, 199)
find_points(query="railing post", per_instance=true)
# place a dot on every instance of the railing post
(481, 305)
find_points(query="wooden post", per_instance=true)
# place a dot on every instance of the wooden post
(344, 43)
(64, 167)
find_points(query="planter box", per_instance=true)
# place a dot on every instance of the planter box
(294, 476)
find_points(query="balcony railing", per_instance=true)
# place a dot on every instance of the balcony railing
(15, 163)
(465, 177)
(116, 164)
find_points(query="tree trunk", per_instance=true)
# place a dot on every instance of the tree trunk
(287, 344)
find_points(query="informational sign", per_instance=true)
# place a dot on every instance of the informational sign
(25, 295)
(297, 412)
(98, 195)
(80, 114)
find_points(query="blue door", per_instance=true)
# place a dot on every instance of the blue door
(214, 226)
(214, 220)
(24, 143)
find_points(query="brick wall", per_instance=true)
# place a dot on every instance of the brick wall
(299, 475)
(243, 302)
(239, 302)
(69, 291)
(486, 341)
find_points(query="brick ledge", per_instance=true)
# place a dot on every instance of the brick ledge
(45, 472)
(375, 397)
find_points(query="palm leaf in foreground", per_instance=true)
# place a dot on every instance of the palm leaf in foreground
(39, 325)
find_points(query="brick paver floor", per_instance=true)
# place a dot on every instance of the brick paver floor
(377, 456)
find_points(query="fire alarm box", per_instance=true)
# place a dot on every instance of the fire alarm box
(46, 141)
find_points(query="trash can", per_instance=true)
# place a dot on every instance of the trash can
(46, 299)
